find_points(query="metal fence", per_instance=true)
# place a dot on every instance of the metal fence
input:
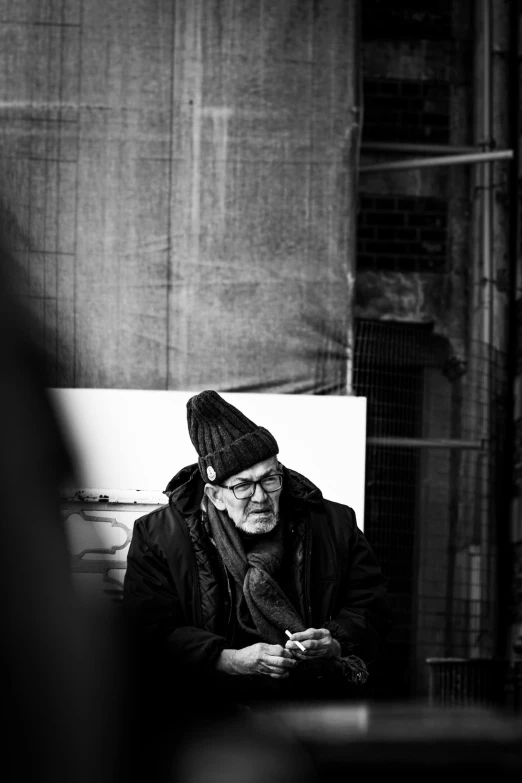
(432, 466)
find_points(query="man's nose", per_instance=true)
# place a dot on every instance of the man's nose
(259, 494)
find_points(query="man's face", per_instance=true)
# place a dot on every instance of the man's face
(259, 513)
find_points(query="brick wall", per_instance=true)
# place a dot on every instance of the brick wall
(405, 234)
(406, 110)
(428, 20)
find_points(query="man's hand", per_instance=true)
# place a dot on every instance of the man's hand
(318, 643)
(269, 659)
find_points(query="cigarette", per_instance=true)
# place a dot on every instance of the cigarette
(295, 640)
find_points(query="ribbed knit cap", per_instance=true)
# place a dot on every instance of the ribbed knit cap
(225, 440)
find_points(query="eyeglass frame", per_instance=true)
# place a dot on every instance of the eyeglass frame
(255, 483)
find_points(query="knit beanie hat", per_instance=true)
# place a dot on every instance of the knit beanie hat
(225, 440)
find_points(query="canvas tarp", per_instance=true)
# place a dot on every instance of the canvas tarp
(183, 175)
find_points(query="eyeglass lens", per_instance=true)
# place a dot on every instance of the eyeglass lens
(246, 490)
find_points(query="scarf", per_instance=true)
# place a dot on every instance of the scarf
(262, 607)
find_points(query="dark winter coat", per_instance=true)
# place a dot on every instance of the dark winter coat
(178, 595)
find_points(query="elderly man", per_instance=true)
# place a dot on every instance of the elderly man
(249, 577)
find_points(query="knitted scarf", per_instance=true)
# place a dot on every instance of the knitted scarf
(262, 607)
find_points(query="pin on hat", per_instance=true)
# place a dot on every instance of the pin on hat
(225, 439)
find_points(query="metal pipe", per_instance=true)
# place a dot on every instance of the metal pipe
(480, 553)
(485, 585)
(509, 502)
(487, 259)
(515, 399)
(436, 149)
(353, 141)
(443, 160)
(425, 443)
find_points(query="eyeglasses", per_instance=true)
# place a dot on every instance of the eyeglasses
(247, 488)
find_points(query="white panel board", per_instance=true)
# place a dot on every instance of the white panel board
(138, 439)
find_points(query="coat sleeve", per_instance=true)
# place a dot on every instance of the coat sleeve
(362, 616)
(155, 613)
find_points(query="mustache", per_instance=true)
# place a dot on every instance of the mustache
(259, 507)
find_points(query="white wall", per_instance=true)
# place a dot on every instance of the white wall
(137, 440)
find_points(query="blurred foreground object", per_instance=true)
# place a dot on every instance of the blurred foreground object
(408, 739)
(61, 695)
(245, 748)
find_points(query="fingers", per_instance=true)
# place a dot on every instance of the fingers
(273, 649)
(298, 654)
(273, 660)
(286, 661)
(277, 667)
(290, 652)
(316, 641)
(313, 648)
(279, 664)
(310, 633)
(309, 646)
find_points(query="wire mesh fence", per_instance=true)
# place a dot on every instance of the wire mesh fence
(432, 467)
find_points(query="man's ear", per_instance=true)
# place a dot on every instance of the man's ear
(215, 495)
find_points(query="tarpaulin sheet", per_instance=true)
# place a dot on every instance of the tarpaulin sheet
(184, 173)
